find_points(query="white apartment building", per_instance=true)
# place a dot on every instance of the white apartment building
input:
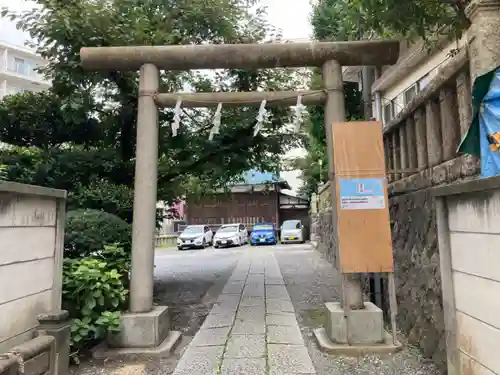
(18, 70)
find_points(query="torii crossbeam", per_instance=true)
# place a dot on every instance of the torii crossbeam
(241, 56)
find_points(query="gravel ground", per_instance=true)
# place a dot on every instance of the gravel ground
(311, 281)
(189, 283)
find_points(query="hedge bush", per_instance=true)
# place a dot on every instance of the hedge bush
(103, 195)
(88, 231)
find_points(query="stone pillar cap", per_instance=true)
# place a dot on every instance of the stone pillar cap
(477, 5)
(54, 316)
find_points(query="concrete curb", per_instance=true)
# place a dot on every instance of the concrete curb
(103, 351)
(326, 345)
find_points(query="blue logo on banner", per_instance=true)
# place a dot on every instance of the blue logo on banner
(362, 187)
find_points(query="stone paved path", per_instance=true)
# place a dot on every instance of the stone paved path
(252, 329)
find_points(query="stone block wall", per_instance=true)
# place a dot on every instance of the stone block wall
(417, 273)
(416, 253)
(31, 251)
(326, 242)
(420, 145)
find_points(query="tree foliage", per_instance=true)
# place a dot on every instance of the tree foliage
(314, 165)
(327, 25)
(88, 231)
(80, 135)
(82, 132)
(357, 19)
(350, 19)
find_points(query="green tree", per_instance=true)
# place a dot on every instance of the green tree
(330, 21)
(313, 166)
(347, 19)
(83, 130)
(355, 19)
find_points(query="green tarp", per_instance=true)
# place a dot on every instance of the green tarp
(471, 142)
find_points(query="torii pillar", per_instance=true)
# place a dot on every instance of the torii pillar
(146, 328)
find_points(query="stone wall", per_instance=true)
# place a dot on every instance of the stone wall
(420, 313)
(417, 274)
(416, 254)
(325, 241)
(31, 252)
(420, 146)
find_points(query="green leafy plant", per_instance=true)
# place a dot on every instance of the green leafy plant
(89, 231)
(94, 295)
(116, 258)
(3, 172)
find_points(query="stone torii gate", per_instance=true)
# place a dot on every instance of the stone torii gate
(146, 327)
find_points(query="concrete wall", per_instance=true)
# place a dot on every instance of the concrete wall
(469, 242)
(31, 252)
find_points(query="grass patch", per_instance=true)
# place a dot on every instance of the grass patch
(315, 318)
(167, 246)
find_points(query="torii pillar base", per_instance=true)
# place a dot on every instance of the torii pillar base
(145, 334)
(360, 334)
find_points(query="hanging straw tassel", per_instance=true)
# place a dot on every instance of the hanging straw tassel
(299, 108)
(216, 122)
(177, 118)
(260, 118)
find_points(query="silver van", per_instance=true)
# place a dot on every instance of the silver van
(292, 231)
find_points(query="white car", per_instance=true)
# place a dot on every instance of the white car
(292, 231)
(231, 235)
(195, 237)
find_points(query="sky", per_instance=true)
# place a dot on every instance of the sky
(292, 20)
(8, 31)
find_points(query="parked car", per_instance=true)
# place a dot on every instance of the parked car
(195, 237)
(263, 234)
(292, 231)
(231, 235)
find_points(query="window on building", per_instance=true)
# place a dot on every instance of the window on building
(388, 112)
(410, 93)
(398, 104)
(19, 66)
(423, 82)
(29, 69)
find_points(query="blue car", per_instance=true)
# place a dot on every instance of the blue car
(263, 234)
